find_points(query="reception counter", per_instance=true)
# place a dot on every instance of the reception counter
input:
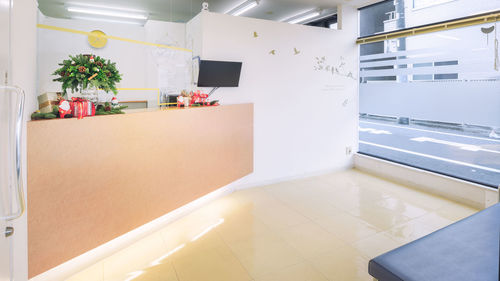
(92, 180)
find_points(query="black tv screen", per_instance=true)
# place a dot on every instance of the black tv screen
(219, 73)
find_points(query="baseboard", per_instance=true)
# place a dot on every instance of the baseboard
(468, 193)
(290, 178)
(77, 264)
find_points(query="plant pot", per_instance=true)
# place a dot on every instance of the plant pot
(91, 94)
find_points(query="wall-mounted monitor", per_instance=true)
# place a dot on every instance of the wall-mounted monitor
(219, 73)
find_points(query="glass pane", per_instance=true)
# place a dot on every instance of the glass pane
(399, 14)
(432, 101)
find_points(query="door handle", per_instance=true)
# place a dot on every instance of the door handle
(9, 231)
(18, 163)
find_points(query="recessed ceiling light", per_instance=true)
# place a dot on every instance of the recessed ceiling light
(303, 17)
(243, 7)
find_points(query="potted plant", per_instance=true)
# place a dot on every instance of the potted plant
(87, 74)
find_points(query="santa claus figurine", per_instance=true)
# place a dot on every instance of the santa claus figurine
(180, 101)
(64, 108)
(114, 102)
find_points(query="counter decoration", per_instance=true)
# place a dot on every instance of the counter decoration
(37, 115)
(112, 107)
(81, 108)
(64, 109)
(47, 101)
(194, 99)
(184, 99)
(48, 106)
(83, 74)
(87, 74)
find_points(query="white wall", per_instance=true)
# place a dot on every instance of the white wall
(134, 61)
(304, 118)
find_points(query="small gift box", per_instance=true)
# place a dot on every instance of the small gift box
(81, 107)
(47, 101)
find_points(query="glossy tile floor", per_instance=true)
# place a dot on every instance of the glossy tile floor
(314, 229)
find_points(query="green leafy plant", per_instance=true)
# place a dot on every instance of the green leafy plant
(107, 109)
(81, 71)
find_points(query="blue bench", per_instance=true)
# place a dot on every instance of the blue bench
(467, 250)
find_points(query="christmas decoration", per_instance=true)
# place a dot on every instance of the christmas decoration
(37, 115)
(199, 98)
(110, 108)
(180, 101)
(82, 71)
(195, 99)
(64, 108)
(81, 107)
(114, 102)
(46, 101)
(184, 99)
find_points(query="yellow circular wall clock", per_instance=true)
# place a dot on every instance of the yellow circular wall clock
(96, 39)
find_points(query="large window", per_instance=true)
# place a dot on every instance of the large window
(393, 15)
(432, 101)
(418, 4)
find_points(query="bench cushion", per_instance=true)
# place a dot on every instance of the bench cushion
(466, 250)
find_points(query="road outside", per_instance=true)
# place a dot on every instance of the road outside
(448, 152)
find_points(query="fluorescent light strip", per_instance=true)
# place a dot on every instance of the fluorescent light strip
(106, 13)
(85, 5)
(243, 8)
(109, 20)
(304, 17)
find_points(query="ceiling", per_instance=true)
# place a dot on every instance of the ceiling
(184, 10)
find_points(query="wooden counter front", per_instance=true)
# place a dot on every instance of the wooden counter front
(92, 180)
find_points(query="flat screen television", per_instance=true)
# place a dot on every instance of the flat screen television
(219, 73)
